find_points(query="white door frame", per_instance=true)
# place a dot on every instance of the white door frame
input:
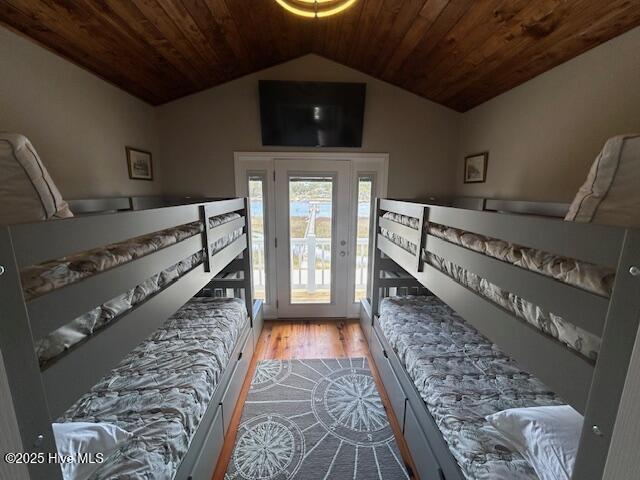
(263, 163)
(340, 174)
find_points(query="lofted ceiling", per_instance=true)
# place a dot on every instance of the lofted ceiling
(458, 53)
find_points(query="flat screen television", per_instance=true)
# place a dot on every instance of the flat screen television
(311, 114)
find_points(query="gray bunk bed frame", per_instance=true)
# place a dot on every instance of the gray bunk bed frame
(592, 389)
(39, 396)
(92, 206)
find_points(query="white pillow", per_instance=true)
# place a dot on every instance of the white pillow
(610, 195)
(73, 438)
(547, 437)
(27, 191)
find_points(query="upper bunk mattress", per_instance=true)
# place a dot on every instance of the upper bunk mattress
(584, 275)
(54, 345)
(589, 277)
(43, 278)
(462, 377)
(161, 390)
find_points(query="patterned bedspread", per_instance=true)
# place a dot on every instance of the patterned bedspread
(462, 377)
(45, 277)
(161, 390)
(587, 276)
(50, 347)
(583, 275)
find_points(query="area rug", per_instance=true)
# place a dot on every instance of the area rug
(314, 419)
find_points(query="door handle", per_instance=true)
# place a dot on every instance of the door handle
(343, 253)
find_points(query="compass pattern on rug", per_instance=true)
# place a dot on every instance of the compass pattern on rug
(346, 402)
(269, 373)
(268, 447)
(353, 401)
(314, 419)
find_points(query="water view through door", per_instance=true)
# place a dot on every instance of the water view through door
(312, 218)
(310, 226)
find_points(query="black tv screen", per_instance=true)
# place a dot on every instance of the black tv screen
(311, 114)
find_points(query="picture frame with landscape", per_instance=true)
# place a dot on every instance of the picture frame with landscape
(475, 167)
(139, 164)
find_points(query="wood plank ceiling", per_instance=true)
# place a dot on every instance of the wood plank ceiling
(459, 53)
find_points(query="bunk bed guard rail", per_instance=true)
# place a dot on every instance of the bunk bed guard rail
(593, 389)
(41, 394)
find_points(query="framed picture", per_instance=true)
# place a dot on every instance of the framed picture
(139, 164)
(475, 167)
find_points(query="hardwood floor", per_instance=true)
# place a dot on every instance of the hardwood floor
(326, 338)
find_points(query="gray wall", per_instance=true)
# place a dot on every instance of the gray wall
(199, 133)
(78, 123)
(543, 136)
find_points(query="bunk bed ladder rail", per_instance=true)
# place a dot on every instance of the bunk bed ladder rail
(247, 262)
(24, 388)
(216, 261)
(381, 287)
(376, 267)
(234, 257)
(403, 259)
(618, 339)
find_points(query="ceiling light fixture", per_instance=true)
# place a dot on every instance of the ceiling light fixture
(315, 8)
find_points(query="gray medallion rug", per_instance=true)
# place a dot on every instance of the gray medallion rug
(314, 419)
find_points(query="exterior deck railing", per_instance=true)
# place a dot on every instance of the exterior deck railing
(311, 262)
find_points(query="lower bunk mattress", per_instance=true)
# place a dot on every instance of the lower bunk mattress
(462, 377)
(161, 390)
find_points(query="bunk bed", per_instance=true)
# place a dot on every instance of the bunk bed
(98, 205)
(521, 310)
(113, 318)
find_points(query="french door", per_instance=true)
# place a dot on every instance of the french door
(310, 219)
(312, 234)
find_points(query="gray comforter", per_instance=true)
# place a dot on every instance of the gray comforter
(46, 277)
(583, 275)
(43, 278)
(161, 390)
(462, 377)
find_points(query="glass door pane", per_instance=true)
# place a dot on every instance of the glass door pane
(258, 233)
(310, 234)
(365, 184)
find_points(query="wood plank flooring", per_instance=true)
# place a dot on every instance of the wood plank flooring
(326, 338)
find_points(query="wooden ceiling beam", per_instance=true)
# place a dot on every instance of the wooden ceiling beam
(539, 33)
(604, 25)
(60, 27)
(214, 35)
(370, 10)
(156, 15)
(401, 25)
(379, 34)
(456, 52)
(409, 74)
(126, 16)
(483, 21)
(221, 13)
(186, 25)
(348, 33)
(261, 49)
(427, 16)
(508, 41)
